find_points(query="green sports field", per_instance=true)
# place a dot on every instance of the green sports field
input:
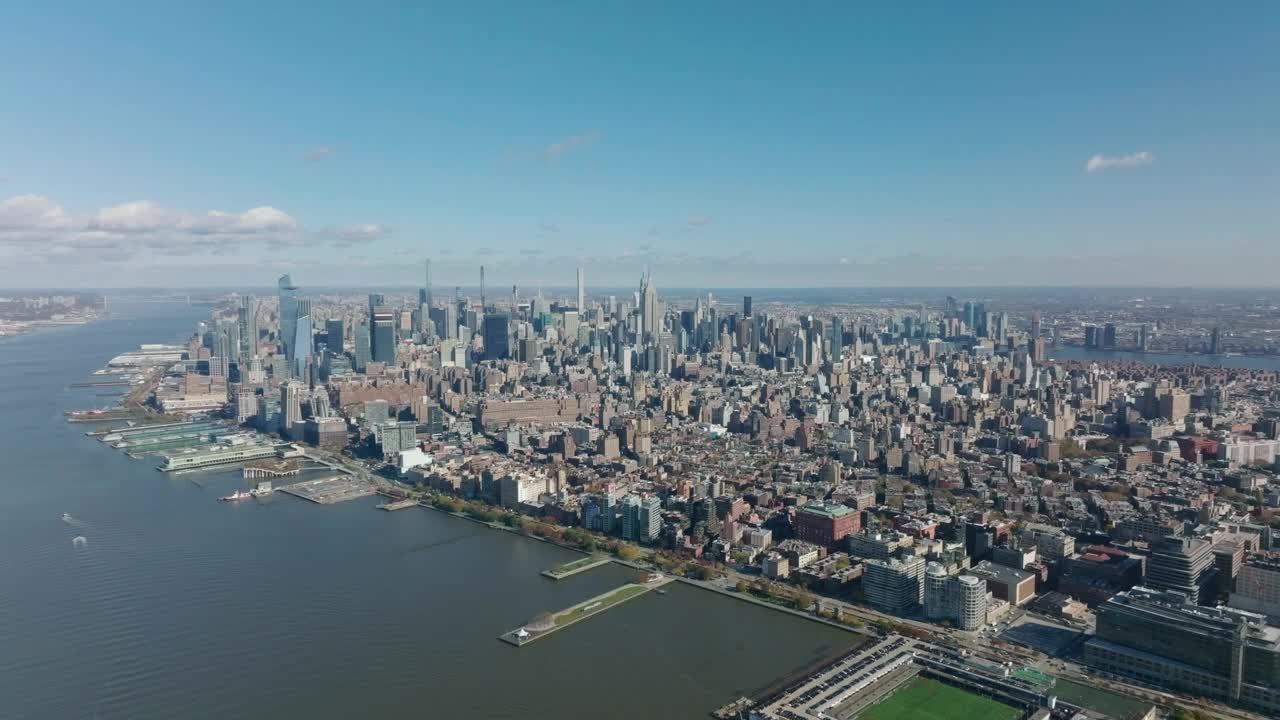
(925, 699)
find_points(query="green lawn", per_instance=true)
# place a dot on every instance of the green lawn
(613, 598)
(1101, 700)
(925, 699)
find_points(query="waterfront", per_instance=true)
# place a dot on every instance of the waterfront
(180, 606)
(1248, 362)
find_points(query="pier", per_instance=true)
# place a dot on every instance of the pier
(397, 504)
(329, 490)
(262, 472)
(548, 623)
(568, 569)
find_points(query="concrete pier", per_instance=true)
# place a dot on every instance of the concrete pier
(329, 490)
(568, 569)
(524, 635)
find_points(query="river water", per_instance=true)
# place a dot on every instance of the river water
(1248, 362)
(178, 606)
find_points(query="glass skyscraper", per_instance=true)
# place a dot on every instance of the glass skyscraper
(288, 312)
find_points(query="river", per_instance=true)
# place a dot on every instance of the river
(1248, 362)
(178, 606)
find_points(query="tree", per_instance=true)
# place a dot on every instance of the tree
(740, 586)
(801, 600)
(628, 552)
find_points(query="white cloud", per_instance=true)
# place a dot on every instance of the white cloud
(556, 150)
(28, 212)
(41, 228)
(320, 153)
(360, 234)
(1132, 160)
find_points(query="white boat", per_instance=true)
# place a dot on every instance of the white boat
(237, 495)
(66, 517)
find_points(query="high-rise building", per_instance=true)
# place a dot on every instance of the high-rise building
(288, 310)
(641, 518)
(1215, 341)
(497, 338)
(1109, 336)
(384, 335)
(746, 306)
(1162, 639)
(1182, 564)
(247, 316)
(334, 334)
(895, 585)
(301, 346)
(582, 293)
(837, 340)
(363, 345)
(291, 406)
(650, 314)
(962, 600)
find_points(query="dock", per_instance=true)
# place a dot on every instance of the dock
(568, 569)
(398, 505)
(548, 623)
(329, 490)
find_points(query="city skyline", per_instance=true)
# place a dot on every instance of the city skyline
(721, 147)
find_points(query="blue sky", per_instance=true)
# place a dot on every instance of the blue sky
(724, 144)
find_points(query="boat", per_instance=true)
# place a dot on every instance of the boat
(237, 495)
(66, 517)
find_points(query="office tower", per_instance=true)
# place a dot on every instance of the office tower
(1182, 564)
(1215, 341)
(301, 346)
(895, 585)
(482, 301)
(582, 290)
(650, 320)
(288, 310)
(1161, 639)
(334, 335)
(247, 316)
(497, 341)
(384, 335)
(969, 317)
(1143, 335)
(746, 306)
(837, 340)
(376, 300)
(363, 345)
(1035, 324)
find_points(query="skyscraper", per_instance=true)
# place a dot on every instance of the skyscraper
(746, 306)
(1215, 341)
(582, 293)
(363, 345)
(650, 319)
(301, 346)
(247, 316)
(384, 335)
(288, 310)
(497, 342)
(334, 334)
